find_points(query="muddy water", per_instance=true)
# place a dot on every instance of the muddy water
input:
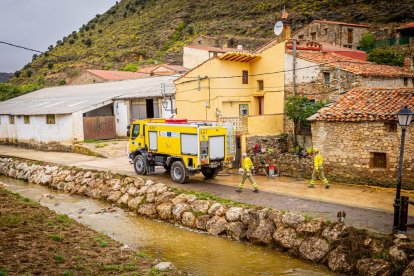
(198, 253)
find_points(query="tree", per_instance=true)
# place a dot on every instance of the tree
(29, 73)
(387, 56)
(88, 42)
(299, 109)
(50, 66)
(367, 42)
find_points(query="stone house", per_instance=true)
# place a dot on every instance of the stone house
(336, 33)
(89, 76)
(359, 136)
(163, 70)
(324, 76)
(56, 117)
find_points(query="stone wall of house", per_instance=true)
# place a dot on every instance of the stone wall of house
(271, 147)
(348, 149)
(332, 33)
(342, 248)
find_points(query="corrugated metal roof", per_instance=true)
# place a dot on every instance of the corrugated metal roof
(70, 99)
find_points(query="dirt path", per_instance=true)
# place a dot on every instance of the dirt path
(36, 241)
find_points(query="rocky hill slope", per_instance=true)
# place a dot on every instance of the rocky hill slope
(147, 31)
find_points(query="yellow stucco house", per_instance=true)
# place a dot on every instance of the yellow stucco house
(245, 88)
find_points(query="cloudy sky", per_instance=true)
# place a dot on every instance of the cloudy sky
(37, 24)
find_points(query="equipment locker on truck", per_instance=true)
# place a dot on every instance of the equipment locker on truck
(181, 147)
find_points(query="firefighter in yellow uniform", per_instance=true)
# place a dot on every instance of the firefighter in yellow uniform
(318, 170)
(247, 165)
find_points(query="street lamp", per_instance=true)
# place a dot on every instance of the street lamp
(164, 103)
(404, 119)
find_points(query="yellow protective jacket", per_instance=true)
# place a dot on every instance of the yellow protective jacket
(247, 164)
(318, 161)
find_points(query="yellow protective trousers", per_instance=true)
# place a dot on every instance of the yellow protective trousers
(321, 174)
(247, 174)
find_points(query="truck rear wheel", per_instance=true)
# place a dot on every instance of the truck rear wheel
(210, 173)
(140, 165)
(178, 172)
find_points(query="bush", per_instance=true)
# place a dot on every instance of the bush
(387, 56)
(17, 74)
(62, 82)
(29, 73)
(50, 65)
(88, 42)
(299, 109)
(367, 41)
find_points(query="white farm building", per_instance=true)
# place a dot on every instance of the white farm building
(59, 116)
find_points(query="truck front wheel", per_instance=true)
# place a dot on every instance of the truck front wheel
(178, 172)
(140, 165)
(210, 173)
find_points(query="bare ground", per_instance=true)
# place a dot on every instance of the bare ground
(37, 241)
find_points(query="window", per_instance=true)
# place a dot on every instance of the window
(313, 36)
(135, 131)
(11, 119)
(378, 160)
(26, 119)
(244, 109)
(326, 77)
(405, 81)
(390, 126)
(300, 37)
(350, 36)
(50, 119)
(245, 78)
(260, 85)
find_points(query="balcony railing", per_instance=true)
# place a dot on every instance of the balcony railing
(271, 124)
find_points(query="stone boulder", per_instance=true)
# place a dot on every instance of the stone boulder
(164, 210)
(310, 227)
(150, 197)
(276, 216)
(179, 209)
(132, 191)
(147, 209)
(248, 216)
(234, 214)
(139, 182)
(154, 188)
(338, 261)
(217, 209)
(200, 206)
(189, 219)
(287, 238)
(201, 222)
(292, 219)
(262, 233)
(216, 225)
(133, 203)
(314, 249)
(115, 196)
(182, 198)
(164, 266)
(333, 231)
(164, 197)
(409, 270)
(69, 178)
(143, 190)
(373, 267)
(128, 180)
(236, 230)
(124, 199)
(397, 254)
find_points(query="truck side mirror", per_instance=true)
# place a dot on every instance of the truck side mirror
(128, 131)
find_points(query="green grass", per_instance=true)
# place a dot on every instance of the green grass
(98, 146)
(55, 237)
(154, 271)
(120, 267)
(67, 273)
(3, 272)
(141, 255)
(64, 219)
(26, 199)
(101, 242)
(59, 259)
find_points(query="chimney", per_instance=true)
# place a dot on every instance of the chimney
(408, 64)
(240, 47)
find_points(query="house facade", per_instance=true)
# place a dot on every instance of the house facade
(194, 55)
(337, 33)
(324, 76)
(56, 117)
(359, 136)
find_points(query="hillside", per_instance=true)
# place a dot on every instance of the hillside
(4, 77)
(155, 31)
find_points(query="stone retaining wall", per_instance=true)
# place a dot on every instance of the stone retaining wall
(341, 248)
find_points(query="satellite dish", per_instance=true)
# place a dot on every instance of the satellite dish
(278, 28)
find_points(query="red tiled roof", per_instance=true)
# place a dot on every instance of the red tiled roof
(340, 23)
(406, 26)
(116, 75)
(344, 51)
(213, 49)
(368, 104)
(170, 69)
(358, 67)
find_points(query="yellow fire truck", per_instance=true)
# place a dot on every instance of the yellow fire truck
(183, 148)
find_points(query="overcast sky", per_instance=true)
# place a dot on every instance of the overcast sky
(37, 24)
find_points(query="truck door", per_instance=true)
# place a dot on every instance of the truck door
(136, 138)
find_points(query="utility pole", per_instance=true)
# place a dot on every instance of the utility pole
(339, 80)
(294, 67)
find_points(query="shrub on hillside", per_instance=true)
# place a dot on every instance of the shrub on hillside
(387, 56)
(367, 42)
